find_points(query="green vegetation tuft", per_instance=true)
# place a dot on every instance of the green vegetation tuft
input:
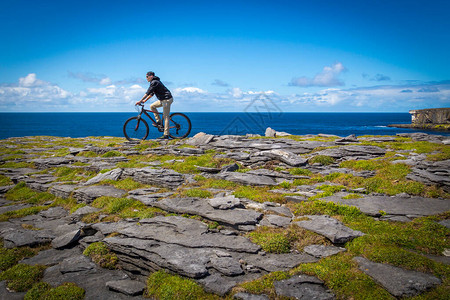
(4, 180)
(72, 174)
(352, 196)
(127, 184)
(21, 277)
(300, 171)
(259, 194)
(112, 154)
(22, 193)
(265, 283)
(190, 163)
(10, 257)
(198, 193)
(124, 208)
(101, 255)
(321, 159)
(164, 286)
(43, 290)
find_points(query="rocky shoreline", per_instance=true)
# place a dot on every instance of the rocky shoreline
(208, 208)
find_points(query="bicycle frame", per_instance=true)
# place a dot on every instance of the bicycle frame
(145, 111)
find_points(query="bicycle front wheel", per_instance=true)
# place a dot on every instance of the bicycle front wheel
(179, 126)
(135, 128)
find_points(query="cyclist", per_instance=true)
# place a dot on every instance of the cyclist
(165, 99)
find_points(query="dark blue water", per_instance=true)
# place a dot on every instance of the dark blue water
(110, 124)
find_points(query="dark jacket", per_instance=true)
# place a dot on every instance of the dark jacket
(157, 88)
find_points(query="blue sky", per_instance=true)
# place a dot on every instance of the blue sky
(312, 56)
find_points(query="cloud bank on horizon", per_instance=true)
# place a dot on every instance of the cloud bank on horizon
(326, 56)
(35, 94)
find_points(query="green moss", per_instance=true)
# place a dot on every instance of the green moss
(16, 165)
(352, 196)
(144, 145)
(300, 171)
(342, 275)
(198, 193)
(72, 174)
(21, 277)
(38, 291)
(101, 255)
(322, 159)
(127, 184)
(10, 257)
(22, 193)
(112, 154)
(271, 240)
(285, 185)
(20, 213)
(190, 163)
(4, 180)
(164, 286)
(265, 283)
(87, 154)
(216, 183)
(259, 194)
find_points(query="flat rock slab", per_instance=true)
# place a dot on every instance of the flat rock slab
(247, 296)
(394, 205)
(331, 228)
(127, 286)
(76, 263)
(52, 257)
(90, 193)
(161, 177)
(247, 179)
(202, 207)
(279, 262)
(320, 251)
(19, 238)
(66, 239)
(110, 175)
(303, 287)
(397, 281)
(286, 157)
(275, 221)
(62, 191)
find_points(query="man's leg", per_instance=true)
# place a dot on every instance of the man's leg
(153, 107)
(166, 113)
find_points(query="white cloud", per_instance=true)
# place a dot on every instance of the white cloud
(188, 90)
(31, 81)
(328, 77)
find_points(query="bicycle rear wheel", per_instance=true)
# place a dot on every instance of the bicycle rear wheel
(179, 126)
(135, 128)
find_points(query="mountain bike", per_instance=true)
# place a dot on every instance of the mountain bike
(136, 128)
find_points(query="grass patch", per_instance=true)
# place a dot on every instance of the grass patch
(20, 213)
(342, 275)
(72, 174)
(258, 194)
(144, 145)
(265, 283)
(4, 180)
(10, 257)
(23, 193)
(21, 277)
(210, 183)
(127, 184)
(101, 255)
(197, 193)
(352, 196)
(164, 286)
(16, 165)
(112, 154)
(124, 208)
(43, 290)
(189, 164)
(321, 159)
(283, 240)
(87, 154)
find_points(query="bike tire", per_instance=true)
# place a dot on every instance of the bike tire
(179, 126)
(133, 129)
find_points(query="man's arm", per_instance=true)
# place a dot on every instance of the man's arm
(144, 99)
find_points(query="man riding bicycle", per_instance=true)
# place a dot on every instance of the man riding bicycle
(165, 99)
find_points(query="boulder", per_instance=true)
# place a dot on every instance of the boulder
(303, 287)
(110, 175)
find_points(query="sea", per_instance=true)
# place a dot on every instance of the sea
(79, 124)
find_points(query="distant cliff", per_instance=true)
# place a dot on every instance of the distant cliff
(432, 118)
